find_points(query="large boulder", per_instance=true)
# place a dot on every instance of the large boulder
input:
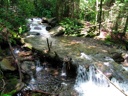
(51, 21)
(57, 31)
(7, 63)
(125, 63)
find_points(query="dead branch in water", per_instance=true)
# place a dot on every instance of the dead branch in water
(16, 61)
(14, 57)
(49, 45)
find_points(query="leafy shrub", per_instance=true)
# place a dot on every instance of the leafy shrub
(72, 26)
(13, 20)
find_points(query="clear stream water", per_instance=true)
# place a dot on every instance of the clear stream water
(37, 28)
(89, 82)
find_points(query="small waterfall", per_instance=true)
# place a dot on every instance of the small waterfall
(63, 71)
(32, 79)
(32, 83)
(85, 56)
(36, 28)
(125, 68)
(38, 66)
(91, 82)
(121, 85)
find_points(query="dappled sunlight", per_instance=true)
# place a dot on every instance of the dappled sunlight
(63, 48)
(91, 47)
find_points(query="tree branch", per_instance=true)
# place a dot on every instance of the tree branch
(16, 60)
(49, 45)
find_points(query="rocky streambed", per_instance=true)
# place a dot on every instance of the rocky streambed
(50, 64)
(109, 59)
(86, 52)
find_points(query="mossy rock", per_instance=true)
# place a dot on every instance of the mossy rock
(6, 64)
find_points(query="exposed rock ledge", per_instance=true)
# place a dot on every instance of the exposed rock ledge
(95, 53)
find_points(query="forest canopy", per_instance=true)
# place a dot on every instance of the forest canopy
(109, 15)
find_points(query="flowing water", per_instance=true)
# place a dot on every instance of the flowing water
(89, 81)
(36, 28)
(92, 82)
(63, 71)
(38, 66)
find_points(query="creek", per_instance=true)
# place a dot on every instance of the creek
(93, 63)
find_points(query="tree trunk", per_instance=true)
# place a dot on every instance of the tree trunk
(100, 15)
(96, 11)
(67, 8)
(126, 24)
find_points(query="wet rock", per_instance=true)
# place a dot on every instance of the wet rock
(44, 20)
(19, 86)
(125, 63)
(117, 57)
(7, 64)
(28, 66)
(52, 21)
(102, 35)
(28, 45)
(63, 47)
(33, 33)
(37, 28)
(74, 93)
(57, 31)
(48, 28)
(25, 53)
(109, 75)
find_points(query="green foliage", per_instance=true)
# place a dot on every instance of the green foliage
(87, 10)
(44, 8)
(14, 13)
(26, 8)
(9, 94)
(12, 18)
(72, 26)
(22, 29)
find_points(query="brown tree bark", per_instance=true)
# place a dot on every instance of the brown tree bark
(126, 25)
(100, 15)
